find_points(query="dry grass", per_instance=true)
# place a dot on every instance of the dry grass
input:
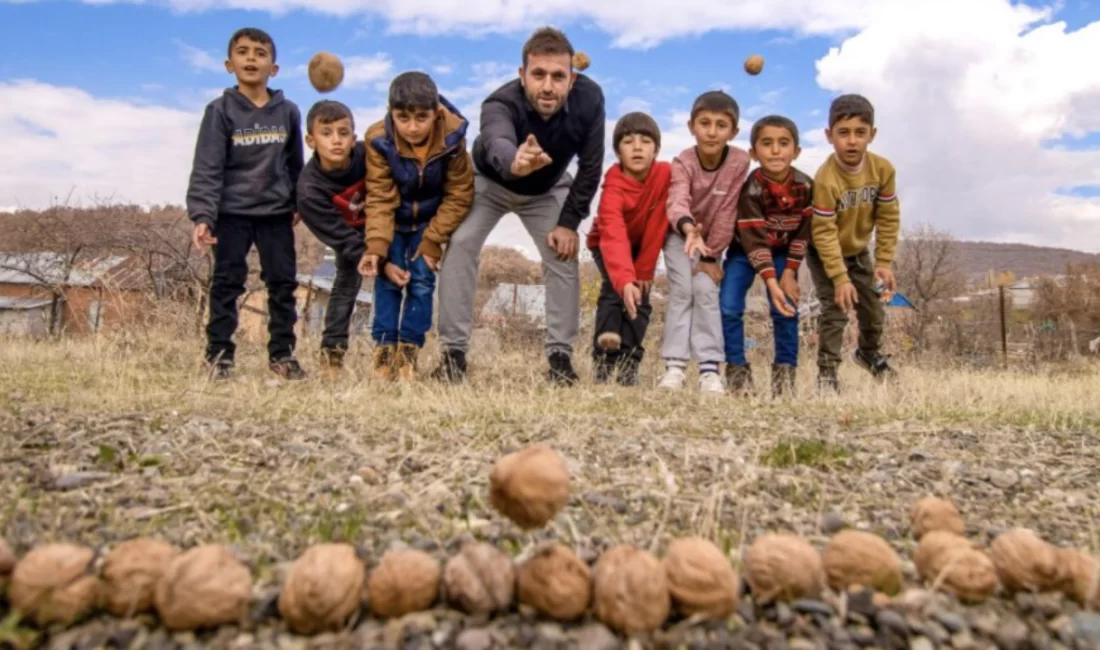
(272, 467)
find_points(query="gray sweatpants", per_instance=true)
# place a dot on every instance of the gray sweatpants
(693, 321)
(458, 277)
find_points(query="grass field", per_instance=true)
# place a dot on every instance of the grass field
(102, 439)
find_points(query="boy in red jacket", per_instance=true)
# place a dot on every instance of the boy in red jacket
(626, 239)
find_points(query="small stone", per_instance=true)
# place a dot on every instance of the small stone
(1086, 626)
(832, 522)
(921, 643)
(783, 615)
(809, 606)
(75, 480)
(801, 644)
(891, 620)
(1004, 479)
(918, 456)
(862, 635)
(1012, 634)
(474, 639)
(953, 622)
(596, 636)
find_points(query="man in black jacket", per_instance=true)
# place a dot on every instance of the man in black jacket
(331, 195)
(531, 129)
(248, 156)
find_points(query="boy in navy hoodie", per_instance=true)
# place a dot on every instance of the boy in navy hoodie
(331, 195)
(242, 191)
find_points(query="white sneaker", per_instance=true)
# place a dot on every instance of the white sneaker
(673, 379)
(711, 382)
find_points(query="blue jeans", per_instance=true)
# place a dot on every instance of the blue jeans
(393, 322)
(739, 276)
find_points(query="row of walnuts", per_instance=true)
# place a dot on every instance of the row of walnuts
(629, 589)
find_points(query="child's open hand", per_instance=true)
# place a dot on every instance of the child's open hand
(368, 266)
(202, 238)
(396, 275)
(789, 284)
(694, 244)
(632, 297)
(889, 282)
(779, 298)
(845, 296)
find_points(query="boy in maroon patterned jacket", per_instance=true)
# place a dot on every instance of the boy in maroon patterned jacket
(774, 215)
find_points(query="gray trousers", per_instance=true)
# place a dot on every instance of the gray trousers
(458, 275)
(693, 321)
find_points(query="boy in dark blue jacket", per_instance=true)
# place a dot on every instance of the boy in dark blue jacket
(331, 195)
(248, 157)
(420, 186)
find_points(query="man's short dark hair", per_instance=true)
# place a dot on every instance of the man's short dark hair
(410, 91)
(252, 34)
(328, 111)
(717, 101)
(773, 120)
(636, 123)
(851, 105)
(547, 41)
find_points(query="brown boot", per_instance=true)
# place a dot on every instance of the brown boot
(406, 361)
(739, 378)
(384, 359)
(783, 376)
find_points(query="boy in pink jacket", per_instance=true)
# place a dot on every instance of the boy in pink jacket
(702, 207)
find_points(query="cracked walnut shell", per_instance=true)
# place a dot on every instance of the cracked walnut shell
(203, 587)
(933, 513)
(405, 581)
(555, 583)
(783, 566)
(1027, 562)
(323, 589)
(129, 575)
(700, 578)
(529, 486)
(54, 583)
(855, 557)
(630, 590)
(480, 579)
(956, 565)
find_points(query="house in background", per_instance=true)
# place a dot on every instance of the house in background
(82, 297)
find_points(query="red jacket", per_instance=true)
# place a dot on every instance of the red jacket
(632, 223)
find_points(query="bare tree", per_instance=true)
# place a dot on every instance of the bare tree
(928, 273)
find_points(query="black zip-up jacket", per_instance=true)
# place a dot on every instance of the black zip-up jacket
(247, 159)
(331, 204)
(507, 118)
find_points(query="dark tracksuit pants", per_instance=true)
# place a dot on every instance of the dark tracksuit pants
(274, 241)
(611, 317)
(341, 304)
(870, 312)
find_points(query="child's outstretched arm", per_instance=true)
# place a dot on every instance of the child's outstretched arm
(382, 202)
(679, 197)
(458, 197)
(887, 221)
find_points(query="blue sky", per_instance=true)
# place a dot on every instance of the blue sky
(983, 106)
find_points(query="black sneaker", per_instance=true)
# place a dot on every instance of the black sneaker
(628, 372)
(827, 380)
(739, 378)
(287, 368)
(452, 367)
(561, 370)
(220, 370)
(783, 376)
(333, 357)
(875, 363)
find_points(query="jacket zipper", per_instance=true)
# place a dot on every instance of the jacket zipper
(420, 177)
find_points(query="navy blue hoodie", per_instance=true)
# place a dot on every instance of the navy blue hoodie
(331, 204)
(247, 159)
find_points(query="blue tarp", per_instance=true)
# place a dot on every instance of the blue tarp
(899, 300)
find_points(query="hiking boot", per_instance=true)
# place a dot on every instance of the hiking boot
(628, 371)
(561, 370)
(332, 358)
(875, 363)
(609, 340)
(287, 368)
(383, 363)
(673, 379)
(603, 366)
(739, 378)
(827, 380)
(219, 370)
(452, 367)
(406, 361)
(711, 382)
(783, 376)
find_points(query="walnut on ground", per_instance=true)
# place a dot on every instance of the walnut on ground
(529, 486)
(323, 589)
(203, 587)
(783, 566)
(1027, 562)
(630, 590)
(405, 581)
(555, 583)
(856, 557)
(700, 578)
(1083, 583)
(480, 579)
(956, 565)
(129, 575)
(933, 513)
(54, 583)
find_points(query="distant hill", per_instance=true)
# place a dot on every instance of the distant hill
(976, 258)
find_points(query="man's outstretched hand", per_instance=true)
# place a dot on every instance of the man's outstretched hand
(529, 158)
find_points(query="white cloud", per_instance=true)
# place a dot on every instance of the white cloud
(443, 69)
(964, 107)
(199, 59)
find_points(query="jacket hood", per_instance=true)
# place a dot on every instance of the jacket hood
(238, 97)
